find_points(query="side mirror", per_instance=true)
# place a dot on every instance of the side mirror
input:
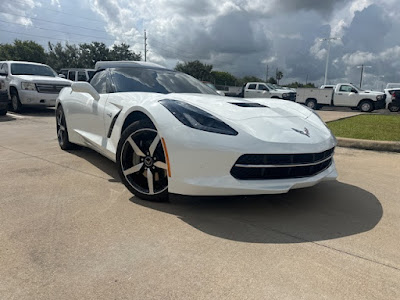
(221, 93)
(84, 87)
(61, 76)
(264, 92)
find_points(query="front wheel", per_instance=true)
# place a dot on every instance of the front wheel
(15, 103)
(366, 106)
(3, 112)
(393, 108)
(62, 131)
(141, 162)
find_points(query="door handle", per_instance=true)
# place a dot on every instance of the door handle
(109, 114)
(340, 94)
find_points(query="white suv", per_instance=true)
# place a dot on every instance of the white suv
(28, 84)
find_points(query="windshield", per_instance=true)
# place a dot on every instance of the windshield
(156, 81)
(30, 69)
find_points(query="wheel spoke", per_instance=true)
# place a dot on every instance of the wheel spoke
(62, 128)
(161, 165)
(150, 181)
(154, 144)
(133, 169)
(135, 147)
(59, 133)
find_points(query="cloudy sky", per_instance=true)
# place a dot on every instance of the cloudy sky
(238, 36)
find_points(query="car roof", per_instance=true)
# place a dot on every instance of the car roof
(22, 62)
(77, 69)
(124, 64)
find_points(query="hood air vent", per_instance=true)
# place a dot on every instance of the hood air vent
(248, 104)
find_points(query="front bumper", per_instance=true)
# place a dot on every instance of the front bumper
(202, 165)
(3, 100)
(27, 97)
(380, 104)
(291, 97)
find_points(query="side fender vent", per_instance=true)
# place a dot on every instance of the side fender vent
(248, 104)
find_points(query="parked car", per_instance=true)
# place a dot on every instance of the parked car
(30, 84)
(389, 92)
(344, 94)
(394, 105)
(264, 90)
(170, 133)
(77, 74)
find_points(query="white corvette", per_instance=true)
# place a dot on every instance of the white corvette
(170, 133)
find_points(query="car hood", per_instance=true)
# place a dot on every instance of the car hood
(44, 79)
(238, 109)
(371, 93)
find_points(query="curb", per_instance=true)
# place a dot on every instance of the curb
(369, 144)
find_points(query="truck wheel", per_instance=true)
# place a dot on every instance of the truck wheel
(366, 106)
(3, 112)
(15, 103)
(311, 103)
(393, 108)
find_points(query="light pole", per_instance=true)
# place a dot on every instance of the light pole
(327, 56)
(362, 72)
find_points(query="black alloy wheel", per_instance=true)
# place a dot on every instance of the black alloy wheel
(141, 162)
(62, 132)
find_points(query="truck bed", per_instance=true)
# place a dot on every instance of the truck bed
(322, 96)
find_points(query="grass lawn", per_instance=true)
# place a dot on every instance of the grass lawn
(368, 127)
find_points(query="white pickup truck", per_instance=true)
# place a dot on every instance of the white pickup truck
(343, 94)
(264, 90)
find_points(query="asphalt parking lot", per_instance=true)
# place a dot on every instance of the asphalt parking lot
(70, 230)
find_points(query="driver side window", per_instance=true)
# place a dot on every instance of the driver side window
(262, 87)
(99, 82)
(345, 88)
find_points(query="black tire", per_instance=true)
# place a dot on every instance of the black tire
(3, 112)
(393, 108)
(16, 105)
(366, 106)
(141, 162)
(311, 103)
(62, 131)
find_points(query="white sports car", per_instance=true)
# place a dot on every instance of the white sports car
(170, 133)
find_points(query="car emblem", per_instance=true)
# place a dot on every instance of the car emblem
(303, 132)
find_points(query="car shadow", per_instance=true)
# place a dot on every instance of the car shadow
(327, 211)
(98, 161)
(38, 111)
(7, 118)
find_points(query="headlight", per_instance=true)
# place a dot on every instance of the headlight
(285, 95)
(28, 86)
(379, 97)
(196, 118)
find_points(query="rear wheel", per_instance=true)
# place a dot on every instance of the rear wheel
(3, 112)
(15, 102)
(393, 107)
(62, 131)
(311, 103)
(366, 106)
(141, 162)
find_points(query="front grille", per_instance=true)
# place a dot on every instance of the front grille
(49, 88)
(292, 96)
(281, 166)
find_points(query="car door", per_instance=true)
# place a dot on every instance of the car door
(86, 115)
(250, 91)
(263, 91)
(345, 95)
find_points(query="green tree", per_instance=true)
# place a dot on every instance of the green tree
(122, 52)
(60, 56)
(246, 79)
(301, 85)
(92, 53)
(272, 80)
(279, 76)
(23, 50)
(223, 78)
(196, 69)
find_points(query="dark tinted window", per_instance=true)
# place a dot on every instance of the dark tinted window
(99, 82)
(156, 81)
(262, 87)
(29, 69)
(81, 76)
(90, 74)
(71, 75)
(252, 86)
